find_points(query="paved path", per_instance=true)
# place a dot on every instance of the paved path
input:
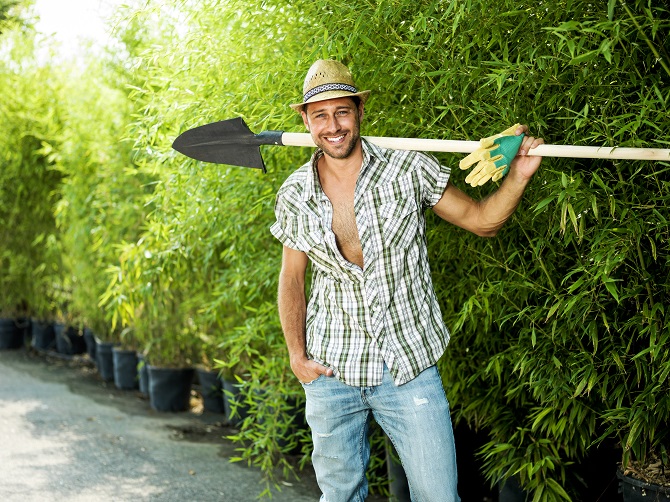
(65, 435)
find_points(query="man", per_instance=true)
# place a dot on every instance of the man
(368, 340)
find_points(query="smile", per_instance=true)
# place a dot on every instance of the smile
(336, 139)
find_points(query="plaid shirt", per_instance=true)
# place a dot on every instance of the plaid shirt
(357, 320)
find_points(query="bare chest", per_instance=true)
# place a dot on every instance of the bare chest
(344, 227)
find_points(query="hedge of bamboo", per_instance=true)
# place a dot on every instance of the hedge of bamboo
(560, 338)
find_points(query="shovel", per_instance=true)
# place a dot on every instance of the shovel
(232, 142)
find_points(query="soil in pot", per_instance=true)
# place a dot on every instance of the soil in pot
(11, 337)
(211, 389)
(170, 388)
(44, 337)
(68, 340)
(125, 368)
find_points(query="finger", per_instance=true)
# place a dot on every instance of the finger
(320, 369)
(534, 144)
(323, 370)
(473, 158)
(526, 145)
(521, 130)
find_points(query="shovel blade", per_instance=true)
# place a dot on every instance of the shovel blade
(226, 142)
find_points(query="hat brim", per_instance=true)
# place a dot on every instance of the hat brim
(325, 96)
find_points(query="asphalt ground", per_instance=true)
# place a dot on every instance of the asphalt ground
(66, 435)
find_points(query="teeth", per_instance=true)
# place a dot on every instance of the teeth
(336, 140)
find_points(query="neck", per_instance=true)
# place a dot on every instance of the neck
(342, 169)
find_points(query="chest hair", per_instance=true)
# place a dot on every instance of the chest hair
(346, 232)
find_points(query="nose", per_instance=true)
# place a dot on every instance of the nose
(333, 123)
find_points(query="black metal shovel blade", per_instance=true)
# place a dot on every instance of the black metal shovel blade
(225, 142)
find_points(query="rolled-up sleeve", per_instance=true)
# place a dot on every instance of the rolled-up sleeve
(284, 229)
(434, 178)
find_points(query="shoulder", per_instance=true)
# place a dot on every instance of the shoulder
(402, 159)
(295, 183)
(397, 163)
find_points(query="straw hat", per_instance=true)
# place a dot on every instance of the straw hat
(328, 79)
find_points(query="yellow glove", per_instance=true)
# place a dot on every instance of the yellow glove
(494, 156)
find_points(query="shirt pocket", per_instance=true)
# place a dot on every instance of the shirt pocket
(397, 212)
(311, 240)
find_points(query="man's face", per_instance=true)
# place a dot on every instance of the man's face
(334, 125)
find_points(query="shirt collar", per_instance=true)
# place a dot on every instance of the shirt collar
(312, 185)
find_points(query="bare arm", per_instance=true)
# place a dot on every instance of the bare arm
(486, 217)
(292, 314)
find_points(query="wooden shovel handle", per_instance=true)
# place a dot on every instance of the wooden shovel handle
(456, 146)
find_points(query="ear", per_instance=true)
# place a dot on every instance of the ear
(361, 111)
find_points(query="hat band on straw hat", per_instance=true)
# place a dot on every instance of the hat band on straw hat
(328, 79)
(329, 87)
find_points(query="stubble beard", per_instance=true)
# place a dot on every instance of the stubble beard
(340, 153)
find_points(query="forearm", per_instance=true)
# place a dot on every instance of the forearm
(487, 216)
(496, 209)
(292, 313)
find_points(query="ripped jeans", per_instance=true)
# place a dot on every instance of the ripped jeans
(415, 417)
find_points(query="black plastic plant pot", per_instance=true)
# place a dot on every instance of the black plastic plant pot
(211, 389)
(104, 360)
(89, 339)
(68, 340)
(170, 388)
(635, 490)
(44, 337)
(11, 336)
(26, 329)
(125, 368)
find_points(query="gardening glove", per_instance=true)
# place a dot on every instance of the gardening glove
(494, 156)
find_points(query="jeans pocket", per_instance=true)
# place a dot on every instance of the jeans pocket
(311, 381)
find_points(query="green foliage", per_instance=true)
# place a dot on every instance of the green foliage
(558, 311)
(102, 194)
(11, 14)
(30, 282)
(70, 192)
(559, 327)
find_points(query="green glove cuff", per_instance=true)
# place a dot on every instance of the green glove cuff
(508, 146)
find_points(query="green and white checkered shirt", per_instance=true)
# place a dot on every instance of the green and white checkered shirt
(357, 320)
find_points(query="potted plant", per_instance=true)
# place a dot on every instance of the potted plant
(42, 308)
(209, 377)
(67, 326)
(69, 338)
(640, 422)
(12, 318)
(169, 354)
(14, 324)
(156, 309)
(125, 361)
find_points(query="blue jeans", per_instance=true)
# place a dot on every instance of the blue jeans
(415, 417)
